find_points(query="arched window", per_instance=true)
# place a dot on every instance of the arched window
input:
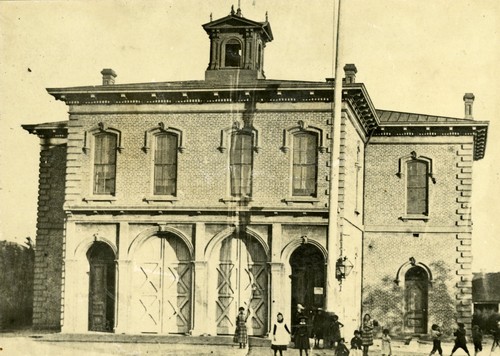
(105, 163)
(417, 187)
(232, 54)
(165, 164)
(305, 162)
(241, 164)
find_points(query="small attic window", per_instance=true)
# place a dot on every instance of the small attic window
(233, 54)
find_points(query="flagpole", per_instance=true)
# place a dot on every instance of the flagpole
(333, 292)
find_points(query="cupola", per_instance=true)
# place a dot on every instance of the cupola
(237, 48)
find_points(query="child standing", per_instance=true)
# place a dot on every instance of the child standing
(341, 349)
(477, 339)
(356, 344)
(436, 340)
(367, 333)
(460, 340)
(386, 343)
(281, 336)
(302, 336)
(335, 330)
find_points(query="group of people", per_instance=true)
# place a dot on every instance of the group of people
(327, 326)
(461, 340)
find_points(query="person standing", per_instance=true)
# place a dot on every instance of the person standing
(318, 326)
(241, 335)
(436, 340)
(281, 336)
(386, 343)
(460, 340)
(477, 339)
(335, 328)
(496, 337)
(367, 333)
(296, 318)
(302, 336)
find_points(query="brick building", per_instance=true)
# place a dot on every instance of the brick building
(164, 207)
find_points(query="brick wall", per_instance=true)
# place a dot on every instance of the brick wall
(203, 176)
(442, 243)
(50, 235)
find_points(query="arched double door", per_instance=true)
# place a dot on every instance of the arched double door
(161, 286)
(241, 279)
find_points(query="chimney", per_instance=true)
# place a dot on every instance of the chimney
(108, 76)
(468, 101)
(350, 71)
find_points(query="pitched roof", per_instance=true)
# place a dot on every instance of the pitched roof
(398, 117)
(234, 20)
(486, 287)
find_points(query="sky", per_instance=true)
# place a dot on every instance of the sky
(413, 56)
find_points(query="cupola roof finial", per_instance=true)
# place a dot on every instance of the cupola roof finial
(267, 20)
(238, 11)
(210, 17)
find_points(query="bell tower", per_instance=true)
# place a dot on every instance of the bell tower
(237, 48)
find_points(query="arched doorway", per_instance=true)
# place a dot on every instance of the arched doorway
(416, 298)
(241, 281)
(161, 286)
(308, 278)
(101, 287)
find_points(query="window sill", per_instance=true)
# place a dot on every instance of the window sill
(160, 198)
(405, 218)
(245, 199)
(298, 199)
(100, 198)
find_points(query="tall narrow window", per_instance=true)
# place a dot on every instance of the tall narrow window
(233, 54)
(165, 161)
(105, 163)
(305, 161)
(240, 162)
(417, 187)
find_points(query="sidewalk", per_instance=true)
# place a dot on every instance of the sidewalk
(98, 344)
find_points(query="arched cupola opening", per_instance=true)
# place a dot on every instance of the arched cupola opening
(237, 48)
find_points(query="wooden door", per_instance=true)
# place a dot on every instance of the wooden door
(162, 286)
(308, 278)
(416, 301)
(242, 281)
(101, 287)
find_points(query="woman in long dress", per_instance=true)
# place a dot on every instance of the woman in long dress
(367, 333)
(241, 335)
(281, 336)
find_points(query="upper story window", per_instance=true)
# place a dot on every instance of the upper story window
(232, 54)
(305, 163)
(105, 163)
(417, 187)
(241, 164)
(165, 164)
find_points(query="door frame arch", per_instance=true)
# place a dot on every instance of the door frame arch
(92, 275)
(212, 294)
(402, 282)
(164, 232)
